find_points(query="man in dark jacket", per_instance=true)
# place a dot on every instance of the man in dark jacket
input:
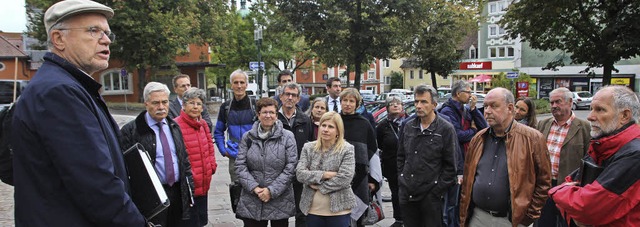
(69, 169)
(181, 83)
(467, 120)
(162, 138)
(294, 120)
(426, 161)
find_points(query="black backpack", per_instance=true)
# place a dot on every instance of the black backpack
(6, 151)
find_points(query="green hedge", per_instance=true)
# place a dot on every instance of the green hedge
(542, 106)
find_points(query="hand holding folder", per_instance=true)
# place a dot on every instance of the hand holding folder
(146, 190)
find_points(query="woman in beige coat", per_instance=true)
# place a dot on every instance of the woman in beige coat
(326, 168)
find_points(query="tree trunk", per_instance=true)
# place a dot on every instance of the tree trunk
(606, 73)
(356, 80)
(142, 81)
(346, 74)
(434, 83)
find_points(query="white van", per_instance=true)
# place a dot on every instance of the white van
(408, 94)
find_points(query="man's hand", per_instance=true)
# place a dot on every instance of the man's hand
(472, 102)
(314, 186)
(459, 179)
(258, 190)
(265, 195)
(372, 187)
(328, 175)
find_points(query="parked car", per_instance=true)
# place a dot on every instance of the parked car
(380, 114)
(383, 97)
(408, 94)
(581, 99)
(369, 97)
(6, 90)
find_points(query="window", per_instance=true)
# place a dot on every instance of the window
(386, 63)
(411, 74)
(387, 80)
(473, 53)
(371, 75)
(420, 76)
(501, 52)
(115, 84)
(2, 67)
(498, 7)
(496, 31)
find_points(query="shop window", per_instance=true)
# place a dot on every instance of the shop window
(114, 84)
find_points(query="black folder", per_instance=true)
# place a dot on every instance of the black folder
(589, 172)
(146, 190)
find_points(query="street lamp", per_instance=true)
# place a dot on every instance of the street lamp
(257, 36)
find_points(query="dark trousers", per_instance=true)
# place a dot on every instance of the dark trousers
(274, 223)
(550, 215)
(172, 216)
(297, 192)
(426, 212)
(451, 212)
(199, 216)
(329, 221)
(395, 200)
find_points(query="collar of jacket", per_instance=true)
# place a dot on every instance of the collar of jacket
(300, 117)
(143, 128)
(190, 121)
(83, 78)
(415, 123)
(604, 147)
(277, 131)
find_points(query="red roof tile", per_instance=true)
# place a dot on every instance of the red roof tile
(7, 49)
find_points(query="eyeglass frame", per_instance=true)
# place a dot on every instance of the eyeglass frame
(93, 31)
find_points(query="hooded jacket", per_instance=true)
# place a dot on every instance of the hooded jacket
(199, 144)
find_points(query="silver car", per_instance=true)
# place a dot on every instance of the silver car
(581, 99)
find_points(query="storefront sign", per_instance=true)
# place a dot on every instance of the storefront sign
(475, 65)
(620, 81)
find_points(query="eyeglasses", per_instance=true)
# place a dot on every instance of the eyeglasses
(468, 92)
(95, 32)
(287, 94)
(194, 103)
(267, 113)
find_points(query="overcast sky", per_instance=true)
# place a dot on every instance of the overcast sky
(13, 16)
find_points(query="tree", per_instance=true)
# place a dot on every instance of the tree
(396, 80)
(436, 31)
(348, 33)
(598, 33)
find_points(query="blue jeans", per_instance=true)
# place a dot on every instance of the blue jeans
(328, 221)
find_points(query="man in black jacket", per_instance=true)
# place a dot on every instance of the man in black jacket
(294, 120)
(426, 162)
(181, 83)
(162, 138)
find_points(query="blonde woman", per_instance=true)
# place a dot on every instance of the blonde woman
(326, 168)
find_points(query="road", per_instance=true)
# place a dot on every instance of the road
(220, 214)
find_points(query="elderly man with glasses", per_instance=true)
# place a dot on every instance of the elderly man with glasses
(69, 169)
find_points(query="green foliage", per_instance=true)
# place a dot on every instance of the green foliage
(314, 96)
(598, 33)
(434, 32)
(542, 106)
(396, 80)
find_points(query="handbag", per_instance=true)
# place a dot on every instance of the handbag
(374, 213)
(235, 190)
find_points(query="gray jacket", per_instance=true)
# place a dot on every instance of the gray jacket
(312, 165)
(267, 163)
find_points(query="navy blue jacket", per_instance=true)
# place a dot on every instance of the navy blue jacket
(68, 164)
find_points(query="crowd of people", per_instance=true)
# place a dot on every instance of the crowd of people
(320, 161)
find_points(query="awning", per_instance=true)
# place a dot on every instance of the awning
(482, 78)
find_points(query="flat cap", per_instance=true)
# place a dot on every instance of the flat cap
(65, 9)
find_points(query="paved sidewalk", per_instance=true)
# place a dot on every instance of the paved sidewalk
(220, 214)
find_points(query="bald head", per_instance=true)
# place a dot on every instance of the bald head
(498, 109)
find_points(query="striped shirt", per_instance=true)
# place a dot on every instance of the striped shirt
(557, 133)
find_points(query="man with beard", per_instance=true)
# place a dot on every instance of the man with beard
(426, 161)
(612, 199)
(567, 142)
(506, 171)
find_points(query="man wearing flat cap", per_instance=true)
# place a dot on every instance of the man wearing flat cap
(69, 169)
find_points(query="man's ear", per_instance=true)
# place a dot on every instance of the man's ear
(625, 116)
(58, 40)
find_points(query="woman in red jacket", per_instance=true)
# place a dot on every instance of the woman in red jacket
(197, 139)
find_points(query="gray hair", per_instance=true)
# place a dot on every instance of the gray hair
(391, 100)
(56, 26)
(291, 85)
(624, 98)
(459, 86)
(155, 87)
(192, 93)
(566, 93)
(424, 88)
(239, 72)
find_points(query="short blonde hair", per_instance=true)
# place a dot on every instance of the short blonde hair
(353, 93)
(337, 120)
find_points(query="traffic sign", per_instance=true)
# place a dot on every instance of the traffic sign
(512, 75)
(254, 65)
